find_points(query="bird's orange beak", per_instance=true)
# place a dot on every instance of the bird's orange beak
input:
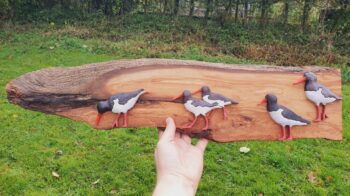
(98, 118)
(197, 91)
(301, 80)
(262, 101)
(177, 97)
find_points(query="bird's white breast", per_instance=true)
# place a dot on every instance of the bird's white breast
(219, 102)
(280, 119)
(317, 97)
(197, 110)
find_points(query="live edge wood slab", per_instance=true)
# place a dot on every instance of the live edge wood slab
(74, 92)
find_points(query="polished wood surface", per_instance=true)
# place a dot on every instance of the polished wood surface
(74, 92)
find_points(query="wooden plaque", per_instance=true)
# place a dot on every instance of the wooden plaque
(73, 93)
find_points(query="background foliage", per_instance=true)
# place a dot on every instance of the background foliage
(316, 27)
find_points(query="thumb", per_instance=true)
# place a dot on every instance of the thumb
(202, 144)
(169, 132)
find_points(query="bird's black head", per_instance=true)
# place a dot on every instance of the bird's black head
(309, 76)
(205, 90)
(103, 106)
(186, 95)
(271, 98)
(271, 101)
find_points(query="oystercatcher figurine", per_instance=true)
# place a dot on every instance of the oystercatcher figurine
(212, 98)
(197, 107)
(283, 116)
(318, 94)
(119, 103)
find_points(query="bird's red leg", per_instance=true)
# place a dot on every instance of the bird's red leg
(318, 118)
(283, 137)
(125, 120)
(225, 113)
(289, 133)
(206, 123)
(191, 125)
(324, 115)
(115, 123)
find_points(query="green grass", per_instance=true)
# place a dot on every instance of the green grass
(123, 158)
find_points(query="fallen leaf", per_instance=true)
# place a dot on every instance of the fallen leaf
(97, 181)
(244, 149)
(59, 152)
(55, 174)
(329, 178)
(311, 177)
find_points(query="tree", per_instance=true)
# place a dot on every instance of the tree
(108, 8)
(228, 8)
(285, 12)
(126, 6)
(208, 8)
(236, 10)
(176, 7)
(191, 7)
(96, 4)
(145, 6)
(245, 11)
(265, 6)
(165, 6)
(305, 15)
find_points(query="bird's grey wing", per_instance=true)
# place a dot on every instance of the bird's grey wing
(216, 96)
(197, 102)
(289, 114)
(124, 97)
(328, 93)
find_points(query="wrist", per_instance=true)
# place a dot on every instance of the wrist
(174, 185)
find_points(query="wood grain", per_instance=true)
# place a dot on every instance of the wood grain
(73, 93)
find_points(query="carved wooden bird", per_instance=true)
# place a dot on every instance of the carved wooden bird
(318, 94)
(283, 116)
(119, 103)
(211, 97)
(197, 107)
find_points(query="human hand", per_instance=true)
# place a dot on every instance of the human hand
(179, 163)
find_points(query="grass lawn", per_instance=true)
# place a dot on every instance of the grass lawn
(122, 159)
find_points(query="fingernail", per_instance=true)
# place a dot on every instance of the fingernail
(168, 120)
